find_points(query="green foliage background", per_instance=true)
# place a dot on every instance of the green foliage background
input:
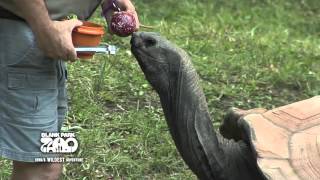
(250, 53)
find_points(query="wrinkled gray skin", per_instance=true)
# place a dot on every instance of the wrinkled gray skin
(208, 154)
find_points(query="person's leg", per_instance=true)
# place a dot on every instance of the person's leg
(29, 99)
(47, 171)
(36, 171)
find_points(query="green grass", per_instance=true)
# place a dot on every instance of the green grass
(253, 53)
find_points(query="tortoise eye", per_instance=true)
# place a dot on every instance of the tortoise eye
(149, 42)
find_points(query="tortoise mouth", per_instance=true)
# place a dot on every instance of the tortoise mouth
(142, 56)
(136, 41)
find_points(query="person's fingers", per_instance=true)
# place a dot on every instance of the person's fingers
(78, 22)
(68, 56)
(137, 20)
(109, 17)
(71, 24)
(71, 53)
(125, 5)
(67, 53)
(52, 54)
(72, 56)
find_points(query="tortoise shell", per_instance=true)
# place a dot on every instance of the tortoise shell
(287, 140)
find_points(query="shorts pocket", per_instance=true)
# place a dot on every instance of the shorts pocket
(32, 95)
(32, 81)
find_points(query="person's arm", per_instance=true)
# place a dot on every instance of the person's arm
(124, 5)
(53, 37)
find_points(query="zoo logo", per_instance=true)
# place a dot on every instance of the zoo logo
(58, 143)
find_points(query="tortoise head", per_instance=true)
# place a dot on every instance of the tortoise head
(158, 58)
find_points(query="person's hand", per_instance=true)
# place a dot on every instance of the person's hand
(124, 5)
(55, 39)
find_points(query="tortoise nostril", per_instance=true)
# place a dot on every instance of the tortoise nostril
(136, 41)
(149, 42)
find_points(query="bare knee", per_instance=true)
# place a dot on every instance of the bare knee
(35, 171)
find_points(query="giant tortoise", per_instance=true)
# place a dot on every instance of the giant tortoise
(283, 143)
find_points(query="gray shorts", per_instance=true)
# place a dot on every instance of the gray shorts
(32, 93)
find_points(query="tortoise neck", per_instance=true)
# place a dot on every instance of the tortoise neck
(189, 122)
